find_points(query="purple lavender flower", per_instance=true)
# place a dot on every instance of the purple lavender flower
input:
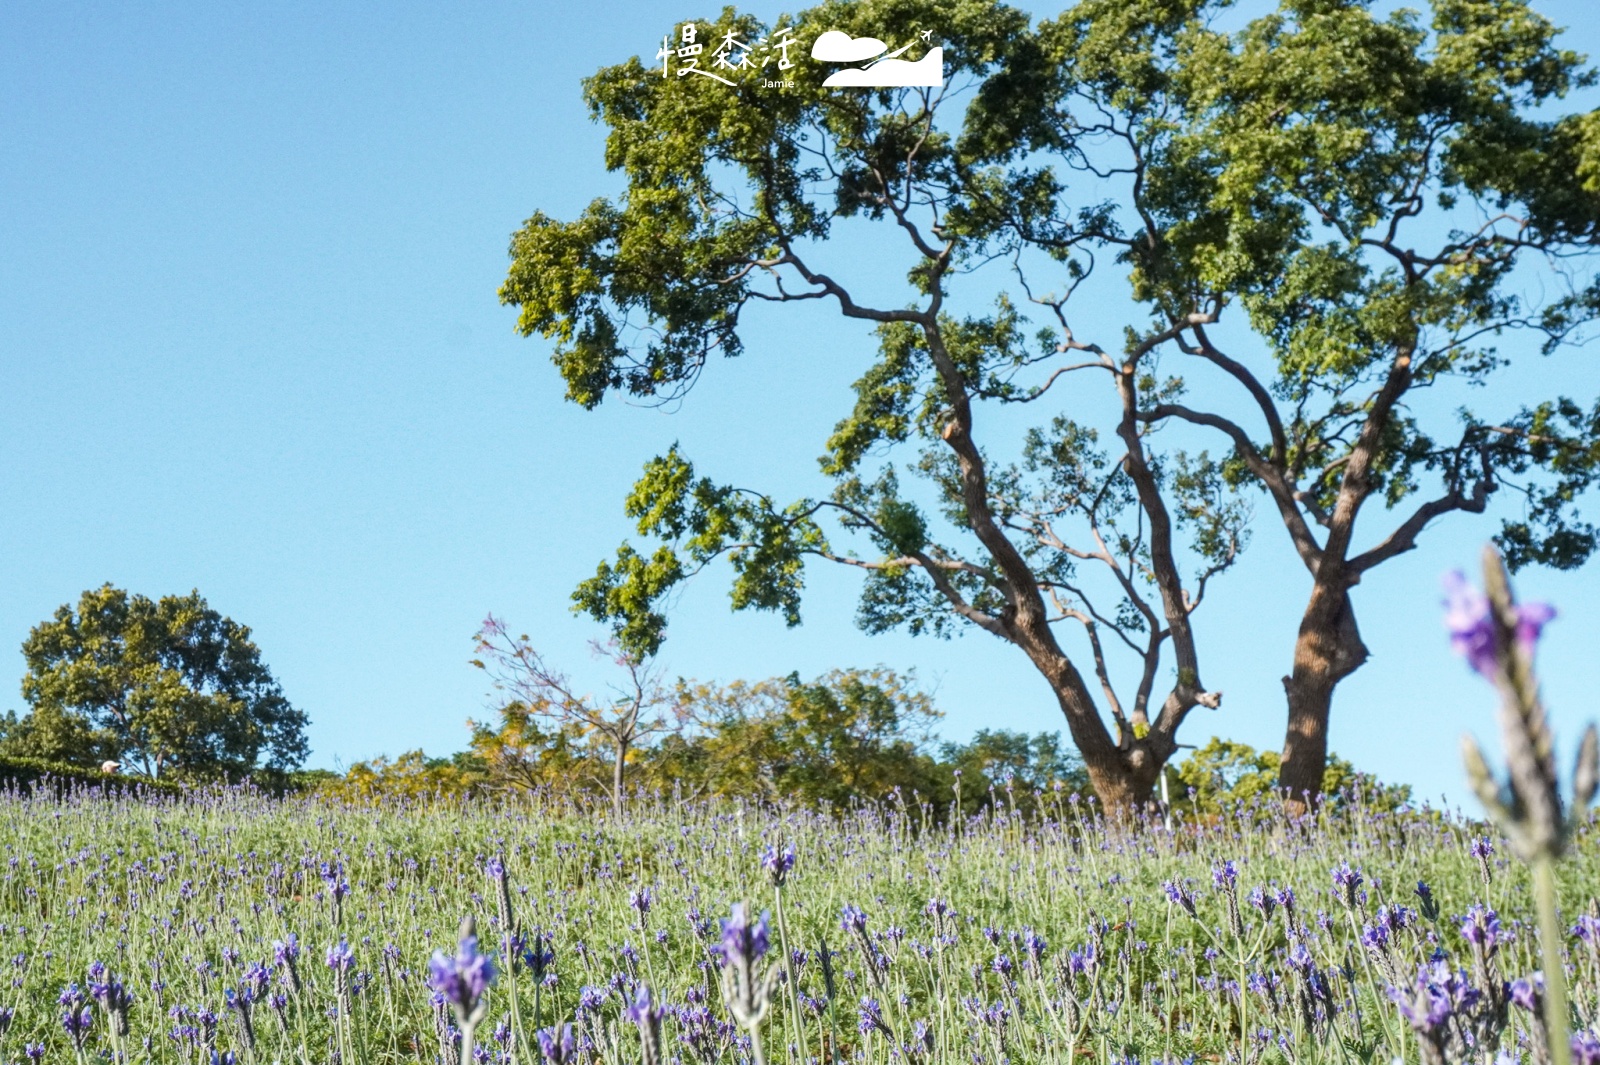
(642, 1010)
(590, 999)
(463, 980)
(286, 951)
(778, 863)
(1348, 881)
(341, 957)
(742, 941)
(1262, 900)
(1179, 895)
(871, 1017)
(113, 997)
(557, 1044)
(1437, 994)
(647, 1015)
(257, 977)
(76, 1014)
(1481, 928)
(1225, 876)
(1430, 906)
(1034, 946)
(1528, 993)
(641, 899)
(921, 1043)
(1585, 1048)
(851, 919)
(539, 955)
(1483, 850)
(1467, 616)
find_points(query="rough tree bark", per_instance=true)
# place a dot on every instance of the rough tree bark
(1328, 649)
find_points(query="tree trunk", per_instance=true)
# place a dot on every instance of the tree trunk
(1123, 778)
(1119, 788)
(616, 778)
(1328, 649)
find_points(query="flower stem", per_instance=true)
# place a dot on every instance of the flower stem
(1555, 977)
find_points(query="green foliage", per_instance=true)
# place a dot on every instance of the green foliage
(700, 521)
(1018, 767)
(170, 686)
(411, 775)
(61, 776)
(849, 735)
(1354, 194)
(1223, 773)
(1084, 887)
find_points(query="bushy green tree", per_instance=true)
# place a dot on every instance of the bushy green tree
(1223, 772)
(1323, 213)
(168, 687)
(1002, 760)
(851, 734)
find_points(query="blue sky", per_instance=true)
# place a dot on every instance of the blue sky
(250, 344)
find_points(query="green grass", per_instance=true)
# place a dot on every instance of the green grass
(189, 892)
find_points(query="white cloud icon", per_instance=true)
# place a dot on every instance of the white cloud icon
(892, 73)
(837, 47)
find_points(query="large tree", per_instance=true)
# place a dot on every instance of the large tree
(1271, 170)
(169, 687)
(1345, 214)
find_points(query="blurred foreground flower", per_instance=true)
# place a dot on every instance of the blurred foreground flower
(463, 981)
(748, 993)
(1498, 638)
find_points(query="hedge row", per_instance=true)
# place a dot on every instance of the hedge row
(30, 772)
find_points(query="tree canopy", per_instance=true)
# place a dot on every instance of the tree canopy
(168, 687)
(1314, 222)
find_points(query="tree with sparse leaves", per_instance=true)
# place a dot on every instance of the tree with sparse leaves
(1323, 214)
(638, 707)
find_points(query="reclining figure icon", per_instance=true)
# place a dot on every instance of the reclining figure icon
(888, 72)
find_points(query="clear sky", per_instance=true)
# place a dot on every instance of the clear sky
(250, 344)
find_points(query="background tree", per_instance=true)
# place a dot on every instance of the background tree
(168, 687)
(1224, 772)
(516, 755)
(1337, 214)
(411, 775)
(1014, 764)
(1327, 216)
(849, 735)
(633, 713)
(728, 201)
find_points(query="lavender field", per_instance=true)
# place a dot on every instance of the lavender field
(237, 928)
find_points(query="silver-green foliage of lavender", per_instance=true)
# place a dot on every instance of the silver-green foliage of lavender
(302, 931)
